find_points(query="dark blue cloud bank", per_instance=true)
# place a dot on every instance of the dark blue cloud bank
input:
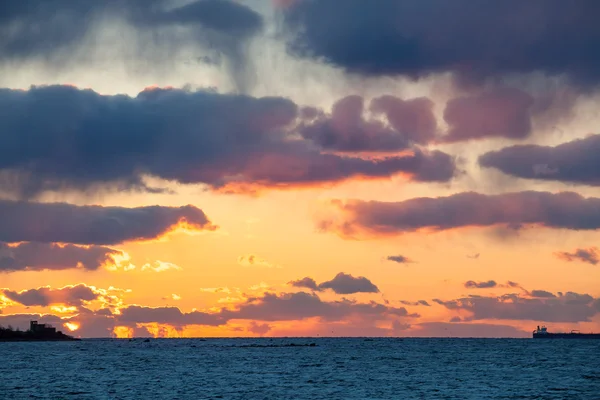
(60, 137)
(32, 28)
(473, 39)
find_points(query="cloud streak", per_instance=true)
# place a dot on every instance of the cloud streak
(76, 295)
(565, 210)
(589, 255)
(51, 256)
(93, 225)
(480, 285)
(400, 259)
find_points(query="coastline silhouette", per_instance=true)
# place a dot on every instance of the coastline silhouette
(36, 332)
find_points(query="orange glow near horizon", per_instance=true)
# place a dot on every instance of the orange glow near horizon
(72, 326)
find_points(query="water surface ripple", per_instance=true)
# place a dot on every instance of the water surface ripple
(271, 369)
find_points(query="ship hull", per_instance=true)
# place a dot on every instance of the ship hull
(566, 335)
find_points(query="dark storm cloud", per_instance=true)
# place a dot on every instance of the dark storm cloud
(565, 210)
(45, 296)
(480, 285)
(589, 256)
(67, 223)
(51, 256)
(347, 129)
(58, 137)
(31, 28)
(341, 284)
(476, 39)
(500, 113)
(399, 259)
(573, 162)
(545, 306)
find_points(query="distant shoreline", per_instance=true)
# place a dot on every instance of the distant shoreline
(11, 335)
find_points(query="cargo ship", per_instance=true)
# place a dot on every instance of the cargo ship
(542, 333)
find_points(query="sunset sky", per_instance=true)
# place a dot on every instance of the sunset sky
(300, 167)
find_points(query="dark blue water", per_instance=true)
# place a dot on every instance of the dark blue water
(333, 369)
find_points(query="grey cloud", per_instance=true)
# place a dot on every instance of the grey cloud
(307, 282)
(567, 307)
(571, 162)
(66, 223)
(480, 285)
(69, 295)
(473, 40)
(347, 284)
(589, 256)
(167, 315)
(59, 137)
(399, 259)
(415, 303)
(268, 307)
(541, 293)
(501, 113)
(347, 129)
(51, 256)
(567, 210)
(295, 306)
(259, 329)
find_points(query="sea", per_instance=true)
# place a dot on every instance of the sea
(301, 368)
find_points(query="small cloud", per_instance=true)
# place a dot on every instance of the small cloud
(348, 284)
(480, 285)
(252, 260)
(589, 255)
(175, 296)
(216, 290)
(260, 286)
(473, 256)
(258, 329)
(400, 259)
(541, 294)
(455, 319)
(161, 266)
(415, 303)
(341, 284)
(306, 282)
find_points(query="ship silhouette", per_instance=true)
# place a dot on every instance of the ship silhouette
(542, 333)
